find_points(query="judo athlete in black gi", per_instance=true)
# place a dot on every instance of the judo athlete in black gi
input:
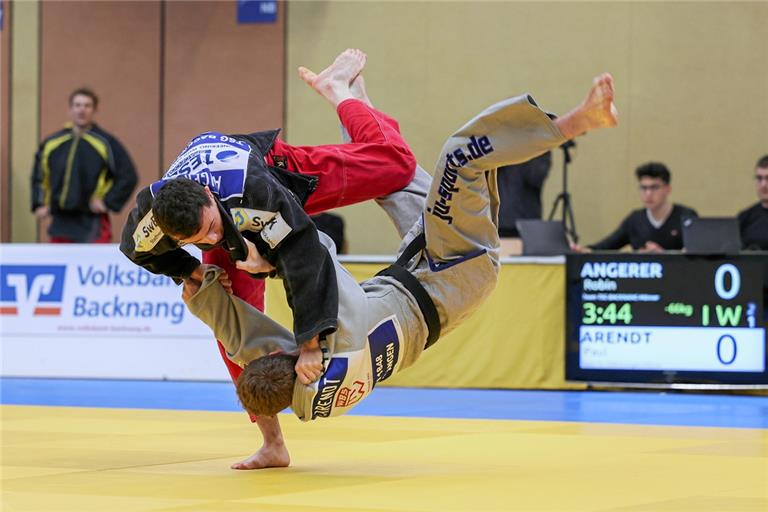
(447, 266)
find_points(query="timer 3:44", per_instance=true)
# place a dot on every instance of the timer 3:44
(612, 313)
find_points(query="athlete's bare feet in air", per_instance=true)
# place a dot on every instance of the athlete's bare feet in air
(271, 455)
(596, 111)
(333, 83)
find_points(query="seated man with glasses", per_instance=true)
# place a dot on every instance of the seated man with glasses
(655, 228)
(753, 222)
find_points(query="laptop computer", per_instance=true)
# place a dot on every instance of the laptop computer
(711, 235)
(543, 237)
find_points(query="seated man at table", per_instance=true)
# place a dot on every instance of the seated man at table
(448, 265)
(656, 227)
(753, 222)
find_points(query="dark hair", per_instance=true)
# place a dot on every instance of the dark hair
(762, 163)
(84, 91)
(654, 170)
(177, 207)
(266, 385)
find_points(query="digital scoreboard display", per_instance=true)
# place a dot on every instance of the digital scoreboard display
(666, 318)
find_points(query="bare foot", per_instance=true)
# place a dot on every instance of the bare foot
(333, 83)
(274, 455)
(598, 106)
(358, 90)
(596, 111)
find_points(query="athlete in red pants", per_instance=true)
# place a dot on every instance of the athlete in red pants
(375, 163)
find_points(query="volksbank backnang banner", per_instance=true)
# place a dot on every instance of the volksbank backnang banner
(87, 291)
(86, 311)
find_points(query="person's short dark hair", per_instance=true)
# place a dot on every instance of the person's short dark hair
(177, 207)
(762, 162)
(84, 91)
(654, 170)
(266, 385)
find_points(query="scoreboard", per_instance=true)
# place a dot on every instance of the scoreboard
(666, 318)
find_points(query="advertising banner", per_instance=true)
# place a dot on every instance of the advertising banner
(79, 310)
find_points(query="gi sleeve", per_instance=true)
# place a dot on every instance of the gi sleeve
(516, 130)
(39, 181)
(289, 241)
(245, 332)
(615, 240)
(124, 177)
(144, 243)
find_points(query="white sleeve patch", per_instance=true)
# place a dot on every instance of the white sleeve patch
(247, 219)
(275, 231)
(147, 233)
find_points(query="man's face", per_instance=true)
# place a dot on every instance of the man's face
(653, 192)
(211, 230)
(81, 110)
(761, 183)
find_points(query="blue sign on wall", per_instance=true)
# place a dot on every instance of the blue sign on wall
(256, 11)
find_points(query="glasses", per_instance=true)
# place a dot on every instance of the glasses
(760, 179)
(650, 188)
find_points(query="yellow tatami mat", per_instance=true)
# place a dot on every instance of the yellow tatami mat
(77, 459)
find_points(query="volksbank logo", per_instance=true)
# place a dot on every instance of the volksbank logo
(31, 290)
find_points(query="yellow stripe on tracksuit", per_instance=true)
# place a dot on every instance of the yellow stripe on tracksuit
(49, 147)
(104, 183)
(68, 172)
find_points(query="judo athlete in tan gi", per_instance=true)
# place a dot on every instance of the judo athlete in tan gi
(450, 248)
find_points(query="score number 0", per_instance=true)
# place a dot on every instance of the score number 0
(724, 293)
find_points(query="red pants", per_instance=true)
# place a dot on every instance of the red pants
(104, 236)
(375, 163)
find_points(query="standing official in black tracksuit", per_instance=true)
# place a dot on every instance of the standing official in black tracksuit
(81, 173)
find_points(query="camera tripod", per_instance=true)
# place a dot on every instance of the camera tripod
(564, 198)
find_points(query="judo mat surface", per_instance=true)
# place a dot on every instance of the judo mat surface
(533, 451)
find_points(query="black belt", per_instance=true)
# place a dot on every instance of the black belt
(427, 307)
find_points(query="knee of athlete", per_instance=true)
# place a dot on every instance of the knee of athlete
(406, 163)
(265, 387)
